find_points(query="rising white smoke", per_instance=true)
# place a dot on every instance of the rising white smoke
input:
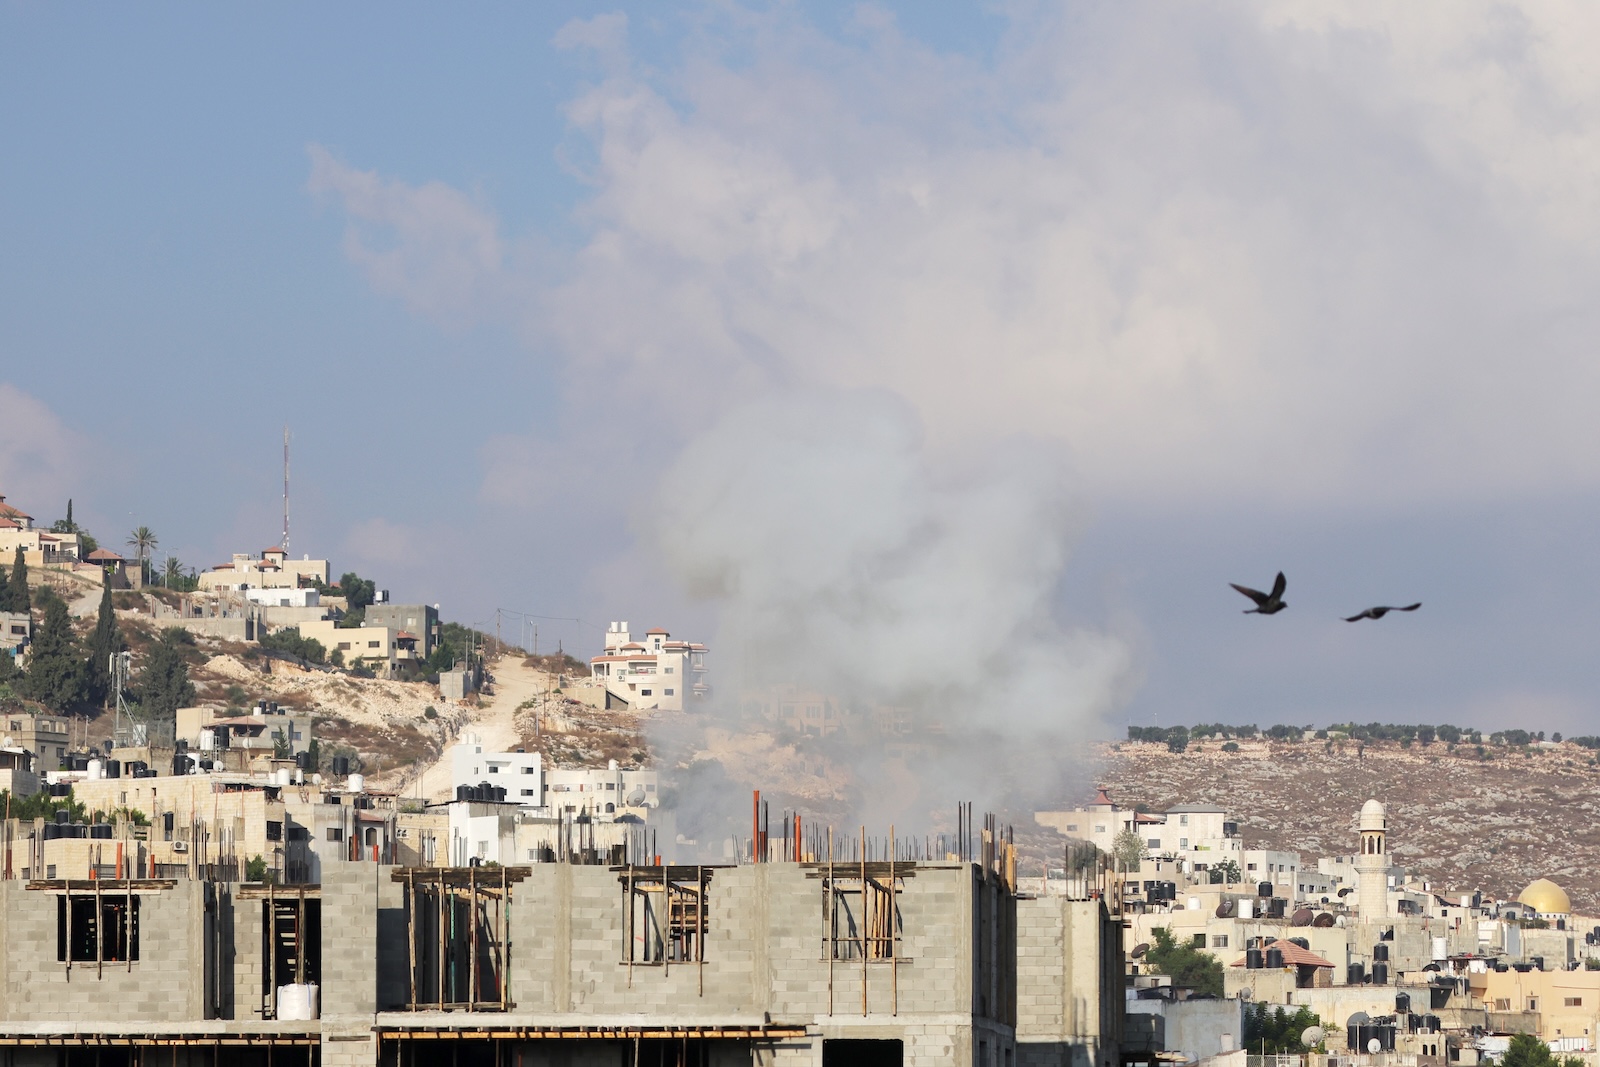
(850, 560)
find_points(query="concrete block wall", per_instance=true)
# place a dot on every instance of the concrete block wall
(166, 984)
(352, 894)
(1069, 983)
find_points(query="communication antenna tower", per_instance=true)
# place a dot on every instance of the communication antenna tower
(125, 730)
(285, 489)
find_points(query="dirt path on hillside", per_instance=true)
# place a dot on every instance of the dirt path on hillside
(494, 723)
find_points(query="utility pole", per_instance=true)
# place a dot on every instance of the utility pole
(286, 489)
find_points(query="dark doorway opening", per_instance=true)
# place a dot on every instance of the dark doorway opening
(859, 1052)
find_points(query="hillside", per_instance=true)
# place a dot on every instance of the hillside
(1463, 822)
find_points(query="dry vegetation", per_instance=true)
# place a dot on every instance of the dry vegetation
(1462, 821)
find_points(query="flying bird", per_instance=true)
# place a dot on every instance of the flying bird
(1266, 603)
(1381, 611)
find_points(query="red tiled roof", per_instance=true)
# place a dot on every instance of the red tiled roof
(1146, 819)
(7, 509)
(403, 636)
(6, 523)
(104, 555)
(657, 630)
(1102, 797)
(1293, 956)
(633, 644)
(275, 548)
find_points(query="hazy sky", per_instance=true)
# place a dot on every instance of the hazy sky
(1004, 337)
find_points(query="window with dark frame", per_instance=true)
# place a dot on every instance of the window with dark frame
(86, 933)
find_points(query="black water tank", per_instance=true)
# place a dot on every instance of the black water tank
(302, 760)
(1432, 1023)
(500, 794)
(80, 829)
(1263, 889)
(63, 816)
(1380, 953)
(1355, 974)
(51, 831)
(1402, 1003)
(341, 765)
(113, 768)
(1274, 958)
(180, 763)
(100, 831)
(1380, 974)
(1537, 961)
(1252, 959)
(463, 792)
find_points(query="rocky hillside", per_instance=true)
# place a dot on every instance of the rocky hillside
(1493, 822)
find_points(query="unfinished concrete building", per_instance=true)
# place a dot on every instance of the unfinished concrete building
(878, 961)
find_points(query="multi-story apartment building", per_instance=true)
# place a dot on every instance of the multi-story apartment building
(657, 672)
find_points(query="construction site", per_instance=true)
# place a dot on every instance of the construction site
(813, 948)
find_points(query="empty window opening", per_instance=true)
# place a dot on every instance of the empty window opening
(291, 933)
(665, 920)
(862, 917)
(104, 930)
(861, 1052)
(456, 921)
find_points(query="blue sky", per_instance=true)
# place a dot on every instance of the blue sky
(1190, 296)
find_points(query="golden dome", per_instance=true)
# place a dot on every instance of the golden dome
(1546, 898)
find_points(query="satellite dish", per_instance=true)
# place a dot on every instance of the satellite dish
(1312, 1036)
(1360, 1018)
(1245, 994)
(1140, 949)
(1374, 1046)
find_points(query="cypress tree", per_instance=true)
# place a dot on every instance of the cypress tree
(107, 641)
(17, 597)
(57, 675)
(164, 685)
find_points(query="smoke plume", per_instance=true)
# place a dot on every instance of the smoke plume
(850, 561)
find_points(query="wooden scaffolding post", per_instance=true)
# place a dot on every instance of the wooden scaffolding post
(472, 932)
(440, 875)
(505, 941)
(700, 928)
(411, 932)
(827, 916)
(127, 923)
(894, 950)
(861, 925)
(272, 952)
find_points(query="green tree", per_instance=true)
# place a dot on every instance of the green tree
(1526, 1050)
(57, 676)
(106, 642)
(1128, 850)
(1272, 1030)
(358, 591)
(164, 684)
(15, 596)
(1226, 871)
(1188, 966)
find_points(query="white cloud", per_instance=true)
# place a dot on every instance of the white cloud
(430, 245)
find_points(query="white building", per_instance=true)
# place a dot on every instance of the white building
(605, 792)
(283, 597)
(657, 672)
(272, 570)
(1197, 836)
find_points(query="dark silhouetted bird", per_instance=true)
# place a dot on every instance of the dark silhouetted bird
(1266, 603)
(1380, 612)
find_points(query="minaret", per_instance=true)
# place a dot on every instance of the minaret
(1372, 864)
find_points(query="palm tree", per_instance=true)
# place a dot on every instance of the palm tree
(143, 541)
(171, 571)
